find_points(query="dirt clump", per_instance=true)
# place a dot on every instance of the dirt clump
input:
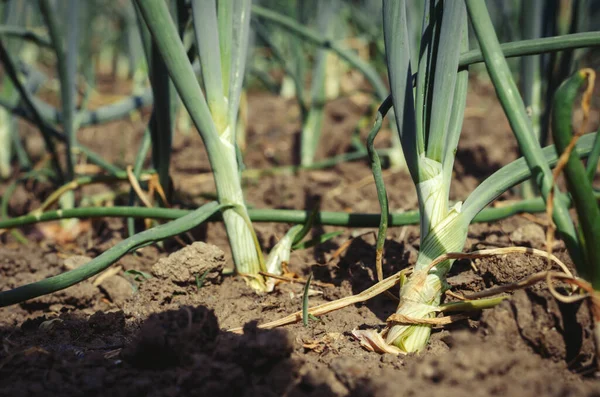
(535, 320)
(184, 265)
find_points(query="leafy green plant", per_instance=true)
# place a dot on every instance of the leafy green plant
(321, 38)
(222, 57)
(540, 75)
(579, 185)
(582, 239)
(429, 121)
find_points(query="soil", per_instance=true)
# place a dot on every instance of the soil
(157, 324)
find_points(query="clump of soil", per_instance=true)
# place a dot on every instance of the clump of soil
(185, 265)
(537, 321)
(176, 279)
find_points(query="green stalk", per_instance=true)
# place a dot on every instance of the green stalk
(592, 163)
(161, 121)
(30, 108)
(427, 32)
(444, 79)
(95, 158)
(67, 71)
(218, 138)
(70, 126)
(205, 26)
(455, 124)
(7, 133)
(536, 46)
(8, 130)
(312, 125)
(147, 46)
(66, 64)
(530, 76)
(298, 59)
(379, 185)
(104, 114)
(298, 217)
(578, 184)
(514, 108)
(226, 37)
(399, 70)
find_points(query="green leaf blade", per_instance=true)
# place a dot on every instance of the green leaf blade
(398, 61)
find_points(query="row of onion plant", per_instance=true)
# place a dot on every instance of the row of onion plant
(429, 127)
(429, 121)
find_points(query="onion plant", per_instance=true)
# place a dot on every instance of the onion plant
(429, 124)
(582, 239)
(14, 14)
(7, 120)
(221, 38)
(316, 38)
(66, 49)
(579, 183)
(313, 122)
(429, 121)
(323, 75)
(161, 121)
(541, 74)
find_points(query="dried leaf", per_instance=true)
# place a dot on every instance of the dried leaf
(373, 342)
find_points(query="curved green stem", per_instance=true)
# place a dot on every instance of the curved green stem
(579, 186)
(511, 101)
(510, 175)
(536, 46)
(107, 258)
(379, 185)
(326, 218)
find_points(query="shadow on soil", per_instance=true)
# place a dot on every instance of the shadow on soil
(176, 352)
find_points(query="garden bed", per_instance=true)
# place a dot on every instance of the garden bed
(169, 337)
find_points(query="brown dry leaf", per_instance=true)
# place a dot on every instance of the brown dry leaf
(328, 307)
(55, 232)
(373, 342)
(345, 245)
(88, 169)
(323, 177)
(504, 203)
(291, 277)
(325, 343)
(108, 273)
